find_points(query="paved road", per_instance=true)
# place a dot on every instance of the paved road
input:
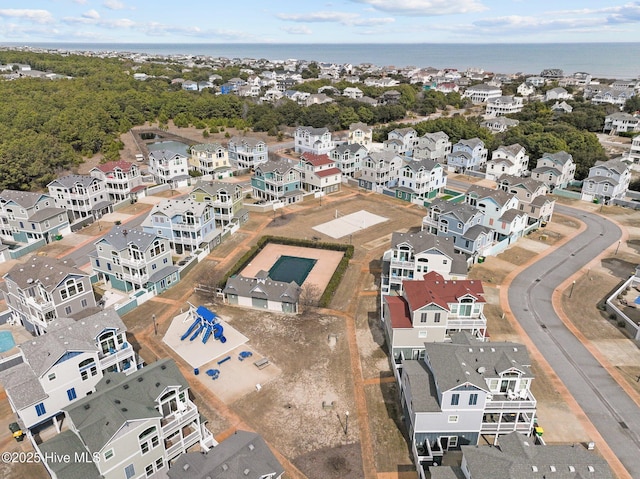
(614, 414)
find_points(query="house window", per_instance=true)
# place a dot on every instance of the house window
(129, 471)
(108, 454)
(422, 334)
(453, 419)
(87, 366)
(52, 376)
(40, 410)
(149, 470)
(148, 439)
(436, 318)
(71, 394)
(67, 310)
(473, 399)
(424, 317)
(455, 399)
(84, 303)
(71, 288)
(159, 463)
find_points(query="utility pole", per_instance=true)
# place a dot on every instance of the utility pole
(346, 423)
(572, 286)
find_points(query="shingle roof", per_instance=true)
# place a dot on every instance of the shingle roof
(22, 386)
(68, 444)
(48, 271)
(119, 399)
(243, 454)
(399, 313)
(517, 457)
(316, 160)
(421, 382)
(71, 180)
(26, 199)
(207, 147)
(434, 289)
(213, 187)
(46, 213)
(112, 165)
(263, 288)
(120, 238)
(501, 197)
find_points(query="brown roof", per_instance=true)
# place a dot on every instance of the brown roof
(400, 316)
(317, 160)
(434, 289)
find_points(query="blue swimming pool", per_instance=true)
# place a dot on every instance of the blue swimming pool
(6, 341)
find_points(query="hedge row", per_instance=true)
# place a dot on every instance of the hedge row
(334, 282)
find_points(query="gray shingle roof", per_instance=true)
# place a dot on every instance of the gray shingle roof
(120, 238)
(424, 394)
(281, 166)
(48, 271)
(172, 208)
(518, 458)
(462, 211)
(67, 443)
(426, 164)
(314, 131)
(560, 157)
(207, 147)
(22, 386)
(501, 197)
(46, 213)
(71, 180)
(245, 141)
(165, 154)
(244, 454)
(119, 399)
(263, 287)
(26, 199)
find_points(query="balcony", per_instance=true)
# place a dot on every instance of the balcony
(504, 423)
(112, 357)
(402, 264)
(40, 304)
(428, 222)
(132, 262)
(501, 401)
(179, 418)
(467, 323)
(425, 452)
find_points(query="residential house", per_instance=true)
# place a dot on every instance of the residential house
(462, 390)
(525, 89)
(561, 107)
(84, 197)
(481, 93)
(379, 169)
(634, 150)
(277, 180)
(460, 221)
(300, 97)
(26, 217)
(389, 97)
(130, 427)
(429, 310)
(536, 81)
(552, 73)
(501, 211)
(433, 146)
(130, 260)
(122, 179)
(520, 457)
(503, 105)
(190, 85)
(420, 179)
(499, 124)
(557, 93)
(507, 160)
(402, 141)
(64, 365)
(262, 292)
(613, 97)
(533, 197)
(381, 82)
(621, 122)
(606, 181)
(44, 289)
(313, 140)
(247, 153)
(467, 155)
(226, 199)
(348, 158)
(317, 99)
(318, 173)
(361, 134)
(168, 167)
(412, 255)
(556, 170)
(243, 454)
(210, 159)
(352, 92)
(188, 225)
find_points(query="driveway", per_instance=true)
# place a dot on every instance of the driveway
(614, 414)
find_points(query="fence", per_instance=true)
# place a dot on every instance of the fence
(567, 193)
(634, 205)
(26, 249)
(630, 325)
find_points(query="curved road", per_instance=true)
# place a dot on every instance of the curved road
(614, 414)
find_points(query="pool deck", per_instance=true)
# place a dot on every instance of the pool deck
(320, 274)
(20, 335)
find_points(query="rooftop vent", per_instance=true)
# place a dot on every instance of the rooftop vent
(552, 468)
(163, 367)
(572, 469)
(157, 385)
(87, 406)
(481, 370)
(126, 386)
(225, 467)
(108, 381)
(124, 409)
(251, 447)
(246, 472)
(140, 379)
(534, 468)
(117, 401)
(185, 467)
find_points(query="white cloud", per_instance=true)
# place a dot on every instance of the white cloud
(81, 2)
(426, 8)
(37, 16)
(113, 4)
(92, 14)
(344, 18)
(298, 30)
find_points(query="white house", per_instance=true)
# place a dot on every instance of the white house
(503, 105)
(362, 134)
(507, 160)
(168, 167)
(621, 122)
(319, 173)
(555, 169)
(606, 181)
(481, 93)
(433, 146)
(313, 140)
(466, 155)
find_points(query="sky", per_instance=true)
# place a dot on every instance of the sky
(311, 21)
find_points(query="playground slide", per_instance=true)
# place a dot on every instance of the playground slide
(190, 330)
(197, 332)
(207, 333)
(217, 331)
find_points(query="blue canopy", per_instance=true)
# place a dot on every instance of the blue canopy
(205, 314)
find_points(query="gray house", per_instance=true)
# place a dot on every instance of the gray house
(44, 289)
(242, 455)
(246, 153)
(262, 292)
(462, 390)
(606, 181)
(132, 426)
(130, 260)
(83, 196)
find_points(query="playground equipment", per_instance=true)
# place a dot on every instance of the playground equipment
(205, 323)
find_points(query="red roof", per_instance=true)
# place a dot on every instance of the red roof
(112, 165)
(317, 160)
(399, 312)
(328, 172)
(135, 189)
(433, 288)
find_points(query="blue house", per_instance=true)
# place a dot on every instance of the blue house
(277, 181)
(460, 221)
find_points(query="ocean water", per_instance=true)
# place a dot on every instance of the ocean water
(601, 60)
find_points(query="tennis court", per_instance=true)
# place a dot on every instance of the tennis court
(291, 268)
(345, 225)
